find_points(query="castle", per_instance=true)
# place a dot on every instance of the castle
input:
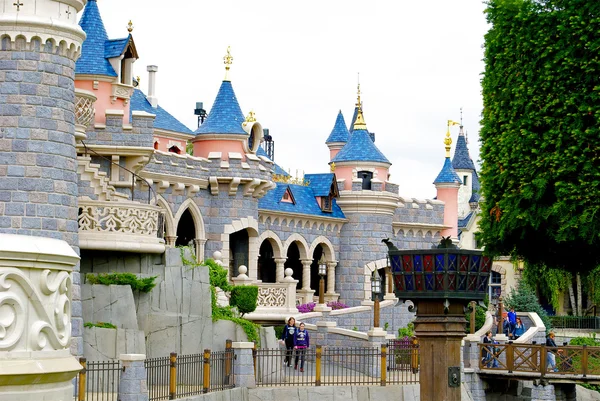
(87, 158)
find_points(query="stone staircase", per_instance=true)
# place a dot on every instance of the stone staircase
(98, 180)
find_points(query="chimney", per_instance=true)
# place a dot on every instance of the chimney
(152, 85)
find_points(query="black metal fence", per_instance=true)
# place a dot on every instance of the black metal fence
(157, 377)
(575, 322)
(98, 381)
(393, 363)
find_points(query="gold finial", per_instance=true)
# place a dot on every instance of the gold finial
(358, 102)
(130, 26)
(250, 118)
(448, 139)
(360, 120)
(332, 167)
(227, 60)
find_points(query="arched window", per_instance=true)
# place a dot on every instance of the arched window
(175, 149)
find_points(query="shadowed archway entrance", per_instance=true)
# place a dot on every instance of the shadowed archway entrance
(266, 263)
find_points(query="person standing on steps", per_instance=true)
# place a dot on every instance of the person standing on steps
(301, 343)
(512, 320)
(287, 338)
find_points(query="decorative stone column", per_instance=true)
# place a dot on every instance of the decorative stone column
(279, 269)
(199, 248)
(171, 239)
(331, 295)
(306, 292)
(133, 385)
(35, 318)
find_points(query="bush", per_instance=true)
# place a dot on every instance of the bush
(479, 317)
(278, 331)
(524, 299)
(244, 298)
(141, 284)
(310, 307)
(408, 331)
(102, 325)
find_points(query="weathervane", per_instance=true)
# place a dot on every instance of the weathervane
(227, 60)
(448, 139)
(130, 26)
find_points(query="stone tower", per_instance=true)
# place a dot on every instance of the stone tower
(38, 198)
(447, 184)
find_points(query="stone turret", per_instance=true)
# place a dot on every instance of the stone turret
(338, 137)
(447, 184)
(468, 193)
(38, 206)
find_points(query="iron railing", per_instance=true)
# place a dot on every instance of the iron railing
(158, 373)
(535, 358)
(332, 366)
(98, 381)
(575, 322)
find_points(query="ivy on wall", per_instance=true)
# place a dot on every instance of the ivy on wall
(540, 135)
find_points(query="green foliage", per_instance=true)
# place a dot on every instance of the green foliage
(523, 299)
(479, 317)
(140, 284)
(550, 281)
(386, 326)
(540, 135)
(244, 298)
(102, 325)
(593, 361)
(355, 328)
(279, 331)
(408, 331)
(589, 341)
(217, 275)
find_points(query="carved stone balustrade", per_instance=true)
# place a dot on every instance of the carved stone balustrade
(275, 300)
(120, 226)
(84, 112)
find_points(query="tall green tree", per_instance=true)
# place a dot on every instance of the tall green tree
(540, 132)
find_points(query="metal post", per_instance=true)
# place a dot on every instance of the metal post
(473, 308)
(173, 376)
(383, 364)
(318, 366)
(228, 357)
(584, 361)
(376, 313)
(390, 283)
(322, 290)
(206, 372)
(414, 360)
(510, 357)
(82, 379)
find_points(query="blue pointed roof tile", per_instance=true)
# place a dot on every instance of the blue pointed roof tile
(320, 183)
(115, 47)
(462, 160)
(339, 133)
(225, 117)
(92, 60)
(304, 196)
(164, 120)
(354, 116)
(475, 188)
(447, 175)
(360, 147)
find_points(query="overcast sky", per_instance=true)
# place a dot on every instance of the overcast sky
(296, 64)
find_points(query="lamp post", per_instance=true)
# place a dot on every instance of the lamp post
(322, 273)
(390, 284)
(375, 291)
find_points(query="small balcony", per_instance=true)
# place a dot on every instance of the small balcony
(120, 226)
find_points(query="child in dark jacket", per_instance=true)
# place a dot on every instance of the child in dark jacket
(301, 343)
(289, 331)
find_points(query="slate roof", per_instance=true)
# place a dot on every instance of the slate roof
(225, 117)
(306, 202)
(354, 116)
(360, 147)
(475, 188)
(276, 168)
(462, 223)
(92, 59)
(115, 47)
(447, 175)
(462, 160)
(320, 183)
(163, 119)
(339, 133)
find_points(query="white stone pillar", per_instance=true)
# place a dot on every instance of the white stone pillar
(279, 269)
(199, 251)
(35, 314)
(331, 277)
(306, 273)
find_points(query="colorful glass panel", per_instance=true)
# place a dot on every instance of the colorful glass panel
(439, 282)
(418, 263)
(462, 282)
(475, 263)
(429, 286)
(464, 262)
(451, 262)
(451, 282)
(439, 263)
(428, 263)
(407, 263)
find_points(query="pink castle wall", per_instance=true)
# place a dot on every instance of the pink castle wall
(203, 148)
(345, 172)
(104, 102)
(163, 143)
(450, 197)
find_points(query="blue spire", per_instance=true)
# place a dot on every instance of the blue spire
(462, 160)
(360, 147)
(225, 117)
(351, 129)
(447, 175)
(339, 133)
(92, 60)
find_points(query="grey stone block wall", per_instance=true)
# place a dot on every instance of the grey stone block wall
(38, 169)
(133, 384)
(140, 134)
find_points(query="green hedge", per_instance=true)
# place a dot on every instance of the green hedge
(244, 298)
(141, 284)
(102, 325)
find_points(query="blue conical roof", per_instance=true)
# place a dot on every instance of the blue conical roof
(462, 160)
(360, 147)
(92, 60)
(225, 117)
(354, 116)
(339, 133)
(447, 175)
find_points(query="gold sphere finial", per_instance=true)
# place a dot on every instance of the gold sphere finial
(227, 60)
(250, 118)
(332, 167)
(448, 139)
(130, 26)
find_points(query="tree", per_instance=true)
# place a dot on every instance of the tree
(540, 132)
(523, 299)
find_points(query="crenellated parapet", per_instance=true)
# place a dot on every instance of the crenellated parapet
(248, 173)
(182, 174)
(115, 132)
(419, 218)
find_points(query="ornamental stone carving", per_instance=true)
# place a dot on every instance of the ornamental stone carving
(269, 296)
(84, 112)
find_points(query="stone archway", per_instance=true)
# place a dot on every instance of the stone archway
(191, 211)
(323, 246)
(270, 260)
(251, 225)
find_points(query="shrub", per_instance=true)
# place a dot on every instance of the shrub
(141, 284)
(408, 331)
(244, 298)
(102, 325)
(279, 331)
(336, 305)
(524, 299)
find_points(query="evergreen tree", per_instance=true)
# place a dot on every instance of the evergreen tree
(540, 132)
(524, 299)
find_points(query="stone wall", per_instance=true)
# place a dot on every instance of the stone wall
(139, 133)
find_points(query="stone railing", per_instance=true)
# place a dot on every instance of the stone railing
(119, 226)
(84, 112)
